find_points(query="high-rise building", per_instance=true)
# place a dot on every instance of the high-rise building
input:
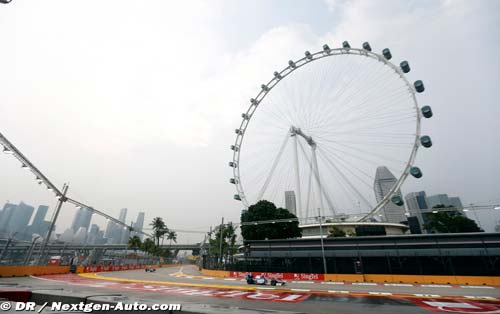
(38, 221)
(81, 220)
(438, 199)
(290, 202)
(139, 224)
(416, 202)
(383, 183)
(456, 202)
(19, 221)
(7, 212)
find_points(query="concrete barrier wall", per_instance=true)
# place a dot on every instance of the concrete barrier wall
(20, 271)
(452, 280)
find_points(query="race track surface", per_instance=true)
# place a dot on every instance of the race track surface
(185, 284)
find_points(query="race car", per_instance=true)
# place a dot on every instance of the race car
(149, 269)
(262, 280)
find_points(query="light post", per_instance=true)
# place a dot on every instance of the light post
(30, 251)
(475, 215)
(7, 245)
(321, 239)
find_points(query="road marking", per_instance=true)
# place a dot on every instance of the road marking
(398, 284)
(302, 281)
(332, 283)
(364, 283)
(207, 278)
(436, 286)
(334, 291)
(190, 277)
(380, 293)
(475, 297)
(427, 295)
(265, 288)
(478, 287)
(303, 290)
(229, 278)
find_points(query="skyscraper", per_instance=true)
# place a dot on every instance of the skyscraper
(139, 224)
(456, 202)
(38, 221)
(416, 202)
(19, 220)
(438, 199)
(290, 202)
(81, 220)
(7, 212)
(384, 181)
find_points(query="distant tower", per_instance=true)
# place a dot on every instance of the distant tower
(384, 181)
(416, 202)
(139, 224)
(290, 202)
(81, 220)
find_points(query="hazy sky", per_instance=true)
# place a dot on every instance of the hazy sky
(134, 103)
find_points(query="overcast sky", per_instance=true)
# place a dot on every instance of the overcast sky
(134, 103)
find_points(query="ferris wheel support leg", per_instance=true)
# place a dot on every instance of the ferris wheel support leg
(297, 177)
(316, 171)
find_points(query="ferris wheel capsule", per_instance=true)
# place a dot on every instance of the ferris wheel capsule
(232, 164)
(426, 141)
(326, 48)
(419, 86)
(396, 199)
(346, 45)
(308, 55)
(277, 75)
(366, 46)
(405, 66)
(426, 111)
(237, 197)
(292, 64)
(387, 53)
(264, 87)
(415, 171)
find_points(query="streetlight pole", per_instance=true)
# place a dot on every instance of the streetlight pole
(60, 201)
(220, 234)
(7, 245)
(321, 239)
(30, 251)
(475, 215)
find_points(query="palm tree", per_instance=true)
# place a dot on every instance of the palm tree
(172, 235)
(159, 228)
(134, 243)
(148, 246)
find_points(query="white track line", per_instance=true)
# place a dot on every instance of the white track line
(302, 281)
(364, 284)
(302, 290)
(229, 278)
(398, 285)
(207, 278)
(265, 288)
(478, 287)
(380, 293)
(332, 283)
(333, 291)
(436, 286)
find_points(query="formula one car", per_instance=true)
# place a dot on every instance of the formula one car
(262, 280)
(149, 269)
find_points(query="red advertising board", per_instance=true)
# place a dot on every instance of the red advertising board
(285, 276)
(101, 268)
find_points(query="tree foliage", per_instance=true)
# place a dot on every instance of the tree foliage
(159, 229)
(449, 222)
(265, 210)
(228, 241)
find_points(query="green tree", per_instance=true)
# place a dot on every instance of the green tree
(335, 231)
(134, 243)
(265, 210)
(148, 246)
(450, 221)
(172, 236)
(228, 241)
(159, 229)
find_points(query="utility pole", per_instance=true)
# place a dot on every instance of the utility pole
(321, 238)
(61, 200)
(220, 234)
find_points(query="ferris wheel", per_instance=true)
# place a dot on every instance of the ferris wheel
(319, 132)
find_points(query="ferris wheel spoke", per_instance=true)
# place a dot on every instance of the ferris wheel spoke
(359, 194)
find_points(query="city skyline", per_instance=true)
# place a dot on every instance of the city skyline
(130, 130)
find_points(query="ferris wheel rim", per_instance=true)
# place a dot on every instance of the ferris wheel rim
(295, 65)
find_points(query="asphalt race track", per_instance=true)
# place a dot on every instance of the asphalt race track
(184, 284)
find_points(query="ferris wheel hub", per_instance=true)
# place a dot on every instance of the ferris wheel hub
(298, 131)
